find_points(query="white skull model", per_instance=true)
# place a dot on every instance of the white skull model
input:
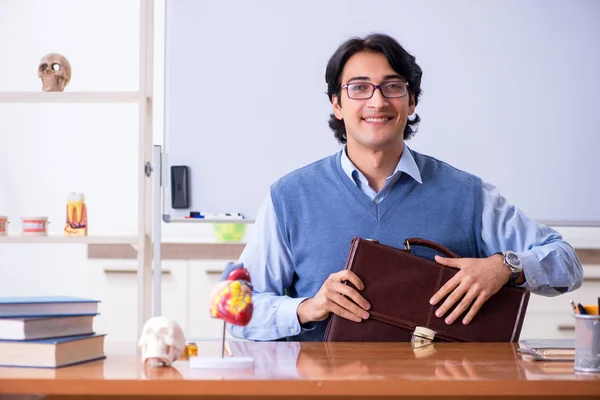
(55, 72)
(162, 342)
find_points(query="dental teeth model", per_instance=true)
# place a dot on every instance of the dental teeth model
(34, 226)
(76, 224)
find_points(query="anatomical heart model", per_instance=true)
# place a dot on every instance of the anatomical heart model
(55, 72)
(231, 299)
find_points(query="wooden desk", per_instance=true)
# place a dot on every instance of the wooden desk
(316, 370)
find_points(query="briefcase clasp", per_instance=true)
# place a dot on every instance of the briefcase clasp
(422, 337)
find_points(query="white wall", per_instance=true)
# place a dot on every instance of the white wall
(49, 150)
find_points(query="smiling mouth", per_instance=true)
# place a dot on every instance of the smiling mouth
(378, 120)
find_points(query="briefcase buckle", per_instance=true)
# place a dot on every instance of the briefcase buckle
(422, 337)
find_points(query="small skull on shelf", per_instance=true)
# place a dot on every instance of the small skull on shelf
(162, 342)
(55, 72)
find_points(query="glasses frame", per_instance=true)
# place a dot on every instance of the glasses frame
(375, 87)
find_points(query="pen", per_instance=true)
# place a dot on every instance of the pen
(574, 306)
(216, 217)
(581, 309)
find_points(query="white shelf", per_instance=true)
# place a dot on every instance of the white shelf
(69, 97)
(57, 238)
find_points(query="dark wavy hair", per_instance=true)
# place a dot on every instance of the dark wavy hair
(399, 59)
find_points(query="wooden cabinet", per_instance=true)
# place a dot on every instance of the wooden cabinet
(191, 270)
(185, 288)
(204, 275)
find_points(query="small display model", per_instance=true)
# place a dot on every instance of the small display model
(55, 72)
(34, 226)
(3, 225)
(162, 342)
(76, 224)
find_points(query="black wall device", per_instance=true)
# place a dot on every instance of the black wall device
(180, 197)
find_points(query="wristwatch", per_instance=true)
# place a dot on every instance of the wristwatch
(512, 261)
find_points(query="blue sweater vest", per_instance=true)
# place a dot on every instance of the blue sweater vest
(319, 210)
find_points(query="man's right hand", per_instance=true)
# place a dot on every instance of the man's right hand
(331, 298)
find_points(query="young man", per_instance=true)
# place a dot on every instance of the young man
(376, 187)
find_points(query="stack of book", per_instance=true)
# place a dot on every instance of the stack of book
(48, 332)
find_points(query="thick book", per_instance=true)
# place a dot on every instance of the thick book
(44, 306)
(399, 285)
(52, 353)
(29, 328)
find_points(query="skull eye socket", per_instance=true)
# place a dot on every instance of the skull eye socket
(56, 67)
(43, 67)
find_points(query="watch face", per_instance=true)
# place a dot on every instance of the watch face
(513, 260)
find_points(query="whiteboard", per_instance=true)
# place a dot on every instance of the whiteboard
(511, 93)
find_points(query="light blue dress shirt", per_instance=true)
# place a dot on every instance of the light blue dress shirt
(548, 261)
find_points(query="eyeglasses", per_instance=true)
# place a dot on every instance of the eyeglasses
(365, 90)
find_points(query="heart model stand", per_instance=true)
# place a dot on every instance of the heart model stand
(223, 362)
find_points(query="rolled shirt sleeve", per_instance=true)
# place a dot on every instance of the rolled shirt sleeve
(550, 264)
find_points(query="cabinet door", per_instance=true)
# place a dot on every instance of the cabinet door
(118, 309)
(587, 294)
(204, 275)
(548, 325)
(552, 317)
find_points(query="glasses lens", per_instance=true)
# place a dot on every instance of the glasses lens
(360, 90)
(394, 89)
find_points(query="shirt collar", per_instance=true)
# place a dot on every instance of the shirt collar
(406, 164)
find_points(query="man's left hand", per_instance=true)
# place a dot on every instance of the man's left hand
(477, 280)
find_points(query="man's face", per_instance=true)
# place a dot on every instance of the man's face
(377, 123)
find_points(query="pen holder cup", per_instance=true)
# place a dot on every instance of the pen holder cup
(587, 343)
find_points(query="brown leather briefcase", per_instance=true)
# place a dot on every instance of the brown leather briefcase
(399, 285)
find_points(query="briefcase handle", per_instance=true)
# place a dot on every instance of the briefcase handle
(428, 243)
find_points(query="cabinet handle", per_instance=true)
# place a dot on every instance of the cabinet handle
(566, 327)
(591, 279)
(130, 271)
(214, 272)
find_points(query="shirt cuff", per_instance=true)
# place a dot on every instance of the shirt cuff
(534, 277)
(287, 316)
